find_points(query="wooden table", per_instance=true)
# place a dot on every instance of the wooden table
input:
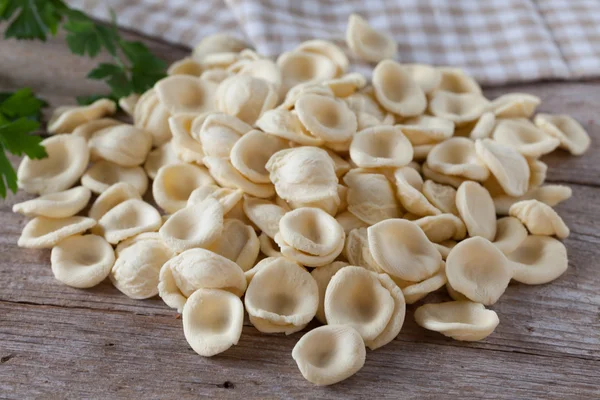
(60, 342)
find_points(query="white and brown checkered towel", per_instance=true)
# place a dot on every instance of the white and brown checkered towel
(497, 41)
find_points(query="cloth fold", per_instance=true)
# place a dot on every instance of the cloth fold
(496, 41)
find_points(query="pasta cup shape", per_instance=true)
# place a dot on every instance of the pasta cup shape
(408, 189)
(329, 354)
(479, 270)
(548, 194)
(426, 129)
(82, 261)
(455, 80)
(124, 145)
(218, 43)
(508, 166)
(538, 260)
(460, 320)
(515, 105)
(128, 103)
(264, 69)
(227, 176)
(367, 43)
(459, 108)
(43, 232)
(159, 157)
(198, 225)
(357, 252)
(103, 174)
(285, 124)
(326, 117)
(567, 130)
(66, 119)
(442, 227)
(393, 327)
(88, 129)
(174, 184)
(349, 221)
(228, 198)
(311, 230)
(113, 196)
(128, 219)
(476, 209)
(250, 154)
(381, 146)
(55, 205)
(218, 133)
(282, 294)
(539, 218)
(346, 85)
(67, 159)
(396, 91)
(537, 172)
(371, 197)
(303, 174)
(246, 97)
(238, 242)
(185, 66)
(186, 94)
(524, 137)
(304, 67)
(268, 246)
(355, 297)
(150, 114)
(484, 127)
(510, 233)
(212, 321)
(264, 214)
(327, 49)
(216, 75)
(196, 269)
(416, 291)
(457, 157)
(186, 148)
(304, 258)
(402, 249)
(426, 76)
(442, 197)
(322, 276)
(438, 177)
(137, 267)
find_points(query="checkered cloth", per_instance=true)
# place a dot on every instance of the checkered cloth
(496, 41)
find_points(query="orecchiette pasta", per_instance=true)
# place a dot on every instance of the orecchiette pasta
(371, 197)
(305, 67)
(425, 129)
(476, 209)
(227, 176)
(457, 157)
(510, 233)
(55, 205)
(186, 147)
(327, 49)
(455, 80)
(346, 85)
(322, 276)
(416, 291)
(174, 184)
(185, 66)
(218, 133)
(103, 174)
(442, 227)
(163, 155)
(264, 214)
(515, 105)
(66, 119)
(250, 154)
(367, 43)
(508, 166)
(186, 94)
(460, 108)
(329, 354)
(150, 114)
(88, 129)
(123, 144)
(381, 146)
(238, 242)
(538, 260)
(327, 118)
(548, 194)
(127, 219)
(524, 137)
(394, 325)
(82, 261)
(111, 197)
(286, 125)
(396, 91)
(567, 130)
(246, 97)
(539, 218)
(409, 185)
(44, 232)
(228, 198)
(442, 197)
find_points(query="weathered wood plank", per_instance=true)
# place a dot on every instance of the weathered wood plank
(82, 353)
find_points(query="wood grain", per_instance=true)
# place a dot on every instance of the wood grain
(60, 342)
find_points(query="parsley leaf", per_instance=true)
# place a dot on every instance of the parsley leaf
(34, 19)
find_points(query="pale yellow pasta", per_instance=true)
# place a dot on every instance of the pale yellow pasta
(394, 325)
(44, 232)
(228, 198)
(347, 84)
(159, 157)
(476, 209)
(103, 174)
(327, 118)
(238, 242)
(264, 69)
(409, 185)
(227, 176)
(246, 97)
(515, 105)
(82, 261)
(186, 94)
(539, 218)
(416, 291)
(292, 95)
(286, 125)
(442, 227)
(322, 276)
(457, 157)
(567, 130)
(216, 75)
(185, 66)
(548, 194)
(381, 146)
(479, 270)
(357, 252)
(128, 103)
(329, 354)
(455, 80)
(87, 129)
(508, 166)
(250, 154)
(538, 260)
(371, 197)
(304, 67)
(150, 114)
(484, 127)
(396, 91)
(460, 108)
(67, 159)
(65, 119)
(525, 137)
(218, 43)
(186, 147)
(425, 129)
(327, 49)
(510, 233)
(128, 219)
(537, 172)
(218, 133)
(124, 145)
(442, 197)
(366, 43)
(174, 184)
(55, 205)
(438, 177)
(349, 221)
(264, 214)
(111, 197)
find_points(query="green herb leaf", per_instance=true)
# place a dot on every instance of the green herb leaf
(21, 103)
(8, 177)
(35, 19)
(15, 138)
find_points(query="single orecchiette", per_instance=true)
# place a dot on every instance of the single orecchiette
(111, 197)
(87, 129)
(455, 80)
(103, 174)
(460, 320)
(457, 157)
(479, 270)
(539, 218)
(476, 208)
(442, 227)
(150, 114)
(426, 76)
(515, 105)
(548, 194)
(538, 260)
(264, 214)
(198, 225)
(327, 118)
(416, 291)
(460, 108)
(371, 197)
(524, 137)
(128, 219)
(510, 233)
(442, 197)
(136, 269)
(218, 133)
(197, 269)
(123, 144)
(82, 261)
(55, 205)
(67, 159)
(346, 85)
(357, 252)
(227, 176)
(66, 119)
(218, 43)
(394, 325)
(381, 146)
(246, 97)
(250, 154)
(508, 166)
(186, 147)
(367, 43)
(186, 94)
(174, 183)
(408, 189)
(228, 198)
(401, 249)
(305, 67)
(286, 125)
(212, 321)
(322, 276)
(426, 129)
(163, 155)
(238, 242)
(484, 127)
(185, 66)
(327, 49)
(396, 91)
(282, 294)
(329, 354)
(44, 232)
(349, 221)
(567, 130)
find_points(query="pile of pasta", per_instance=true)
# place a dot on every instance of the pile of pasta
(308, 192)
